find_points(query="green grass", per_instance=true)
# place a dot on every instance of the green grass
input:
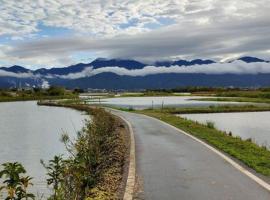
(254, 96)
(151, 94)
(213, 109)
(39, 94)
(31, 98)
(210, 124)
(263, 93)
(237, 99)
(71, 101)
(254, 156)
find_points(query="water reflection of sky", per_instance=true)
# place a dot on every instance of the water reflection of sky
(156, 102)
(253, 125)
(29, 133)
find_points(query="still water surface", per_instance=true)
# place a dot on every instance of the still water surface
(29, 133)
(253, 125)
(156, 102)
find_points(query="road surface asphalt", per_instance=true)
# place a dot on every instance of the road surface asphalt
(174, 166)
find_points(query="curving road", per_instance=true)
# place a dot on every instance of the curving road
(174, 166)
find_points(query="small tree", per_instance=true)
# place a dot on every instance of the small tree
(55, 170)
(15, 184)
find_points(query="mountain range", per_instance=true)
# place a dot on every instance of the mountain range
(131, 74)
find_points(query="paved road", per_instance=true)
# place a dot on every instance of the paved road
(174, 166)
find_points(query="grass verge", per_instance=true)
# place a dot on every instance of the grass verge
(214, 109)
(32, 98)
(237, 99)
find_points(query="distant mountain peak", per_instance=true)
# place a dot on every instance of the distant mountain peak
(250, 59)
(100, 59)
(124, 63)
(202, 62)
(184, 62)
(16, 69)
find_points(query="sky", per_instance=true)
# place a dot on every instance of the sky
(57, 33)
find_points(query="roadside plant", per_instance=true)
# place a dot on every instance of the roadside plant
(14, 184)
(55, 170)
(130, 108)
(210, 124)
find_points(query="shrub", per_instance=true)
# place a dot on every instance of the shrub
(56, 91)
(130, 108)
(210, 124)
(15, 184)
(55, 172)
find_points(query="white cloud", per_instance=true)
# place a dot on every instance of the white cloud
(45, 84)
(209, 41)
(96, 17)
(106, 17)
(236, 67)
(33, 62)
(120, 28)
(4, 73)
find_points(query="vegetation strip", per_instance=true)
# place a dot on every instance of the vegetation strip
(261, 95)
(236, 99)
(52, 93)
(255, 157)
(213, 109)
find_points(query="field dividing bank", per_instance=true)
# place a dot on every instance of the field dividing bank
(35, 98)
(251, 96)
(236, 99)
(53, 93)
(213, 109)
(252, 155)
(111, 149)
(205, 109)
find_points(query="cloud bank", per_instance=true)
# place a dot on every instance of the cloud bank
(236, 67)
(4, 73)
